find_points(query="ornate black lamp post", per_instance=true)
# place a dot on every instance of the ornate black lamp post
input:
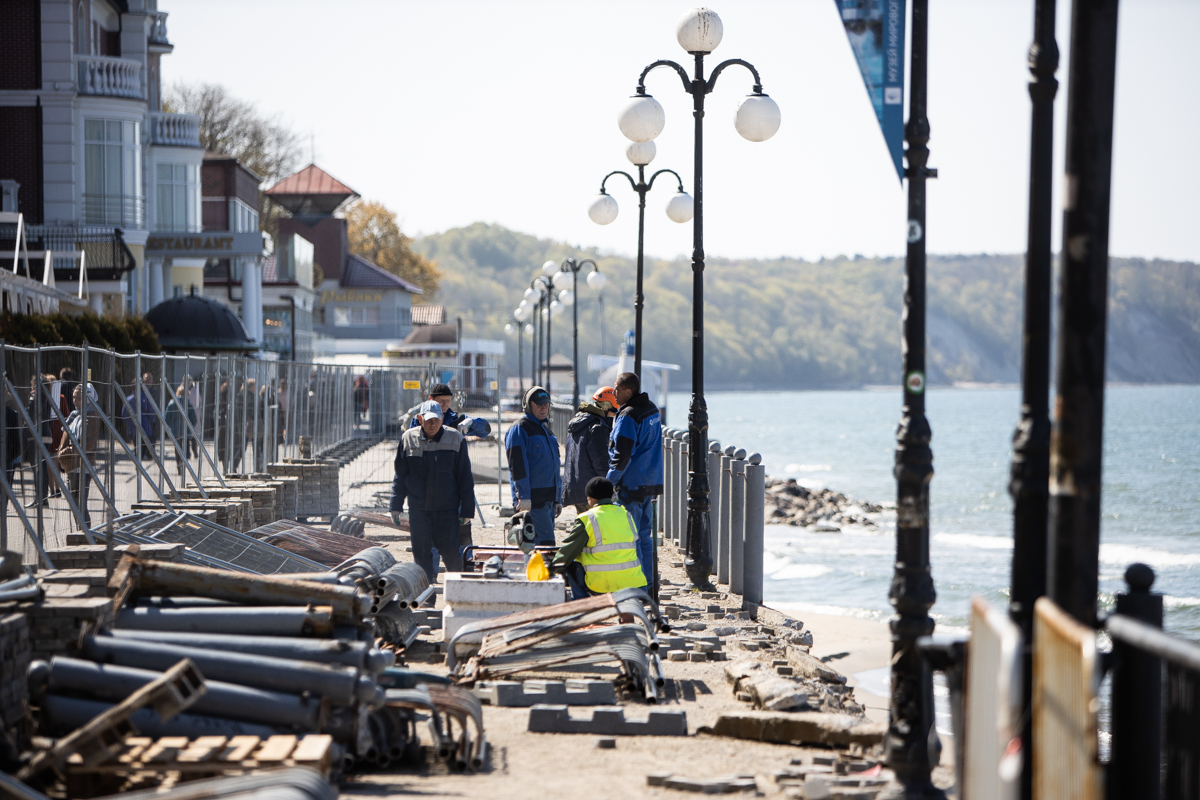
(641, 120)
(570, 271)
(1029, 483)
(537, 302)
(604, 210)
(519, 326)
(912, 593)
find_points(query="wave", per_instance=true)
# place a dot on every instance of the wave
(1123, 555)
(798, 571)
(1171, 601)
(975, 540)
(808, 468)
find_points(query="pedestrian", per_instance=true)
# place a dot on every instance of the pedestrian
(433, 473)
(148, 427)
(179, 413)
(600, 555)
(67, 457)
(534, 464)
(636, 461)
(587, 446)
(441, 394)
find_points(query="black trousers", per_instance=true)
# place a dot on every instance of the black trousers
(430, 529)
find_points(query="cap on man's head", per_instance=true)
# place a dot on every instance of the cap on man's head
(440, 390)
(599, 488)
(429, 410)
(536, 396)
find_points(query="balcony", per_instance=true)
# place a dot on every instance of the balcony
(104, 76)
(123, 211)
(157, 40)
(174, 130)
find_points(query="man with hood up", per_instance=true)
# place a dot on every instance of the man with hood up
(587, 446)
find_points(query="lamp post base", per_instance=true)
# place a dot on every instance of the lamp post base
(698, 574)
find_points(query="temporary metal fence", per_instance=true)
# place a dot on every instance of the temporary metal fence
(194, 419)
(736, 517)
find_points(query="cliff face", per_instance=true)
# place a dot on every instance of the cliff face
(784, 323)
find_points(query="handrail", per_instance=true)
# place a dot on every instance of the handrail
(1183, 652)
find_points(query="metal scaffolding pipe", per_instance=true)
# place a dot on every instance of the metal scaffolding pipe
(340, 684)
(64, 714)
(326, 651)
(245, 620)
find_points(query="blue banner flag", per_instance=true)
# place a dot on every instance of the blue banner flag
(876, 32)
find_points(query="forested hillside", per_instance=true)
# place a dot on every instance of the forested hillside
(836, 323)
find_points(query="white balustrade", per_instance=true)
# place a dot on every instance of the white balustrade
(178, 130)
(110, 77)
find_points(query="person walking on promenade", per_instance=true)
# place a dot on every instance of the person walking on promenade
(441, 394)
(587, 446)
(67, 456)
(148, 427)
(533, 465)
(636, 461)
(433, 472)
(599, 555)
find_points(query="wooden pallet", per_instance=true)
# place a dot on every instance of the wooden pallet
(171, 759)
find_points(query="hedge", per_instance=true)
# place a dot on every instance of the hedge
(123, 335)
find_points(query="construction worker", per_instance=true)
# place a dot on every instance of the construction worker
(433, 472)
(636, 461)
(441, 394)
(587, 446)
(600, 554)
(533, 465)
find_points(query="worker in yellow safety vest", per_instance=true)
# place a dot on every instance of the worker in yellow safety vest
(599, 554)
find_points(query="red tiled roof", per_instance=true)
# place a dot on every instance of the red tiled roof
(309, 181)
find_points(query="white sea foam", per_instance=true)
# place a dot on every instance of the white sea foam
(975, 540)
(797, 571)
(798, 608)
(1123, 555)
(808, 468)
(1171, 601)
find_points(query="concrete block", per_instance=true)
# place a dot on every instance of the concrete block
(657, 778)
(573, 692)
(806, 666)
(677, 655)
(804, 727)
(608, 721)
(606, 743)
(697, 656)
(469, 597)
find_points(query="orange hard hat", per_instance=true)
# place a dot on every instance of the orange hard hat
(606, 398)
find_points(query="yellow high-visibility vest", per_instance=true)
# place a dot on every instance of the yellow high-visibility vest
(610, 560)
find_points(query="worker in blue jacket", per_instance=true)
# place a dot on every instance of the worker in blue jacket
(433, 473)
(534, 465)
(441, 394)
(635, 463)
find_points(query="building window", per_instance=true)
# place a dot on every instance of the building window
(344, 316)
(245, 218)
(112, 168)
(178, 197)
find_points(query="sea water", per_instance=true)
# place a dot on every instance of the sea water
(845, 440)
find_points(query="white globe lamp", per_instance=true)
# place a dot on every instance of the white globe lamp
(641, 118)
(699, 30)
(567, 297)
(603, 209)
(549, 268)
(509, 328)
(680, 207)
(596, 280)
(557, 308)
(545, 314)
(757, 118)
(531, 295)
(640, 153)
(561, 279)
(529, 327)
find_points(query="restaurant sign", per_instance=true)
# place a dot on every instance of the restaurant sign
(210, 244)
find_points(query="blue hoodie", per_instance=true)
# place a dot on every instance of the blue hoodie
(533, 462)
(635, 454)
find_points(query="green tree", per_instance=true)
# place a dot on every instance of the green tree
(375, 235)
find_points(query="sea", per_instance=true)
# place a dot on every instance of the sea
(845, 441)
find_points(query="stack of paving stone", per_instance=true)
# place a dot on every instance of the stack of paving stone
(263, 498)
(79, 555)
(286, 485)
(317, 490)
(15, 654)
(56, 623)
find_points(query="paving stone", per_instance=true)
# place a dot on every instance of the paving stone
(806, 727)
(694, 656)
(677, 655)
(606, 721)
(696, 626)
(715, 610)
(657, 778)
(573, 692)
(806, 666)
(784, 670)
(606, 743)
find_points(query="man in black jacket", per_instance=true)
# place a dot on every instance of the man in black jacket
(587, 446)
(433, 471)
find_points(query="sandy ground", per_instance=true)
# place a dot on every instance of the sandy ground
(524, 764)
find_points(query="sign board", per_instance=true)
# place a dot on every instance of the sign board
(412, 384)
(495, 385)
(209, 244)
(875, 29)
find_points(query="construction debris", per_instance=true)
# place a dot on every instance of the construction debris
(607, 721)
(803, 727)
(574, 692)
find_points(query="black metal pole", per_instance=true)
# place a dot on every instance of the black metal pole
(912, 594)
(638, 298)
(699, 560)
(1137, 697)
(1030, 475)
(549, 331)
(575, 336)
(520, 359)
(1076, 445)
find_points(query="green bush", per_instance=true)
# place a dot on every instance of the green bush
(123, 335)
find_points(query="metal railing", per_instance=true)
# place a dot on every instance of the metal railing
(128, 211)
(175, 130)
(105, 246)
(736, 522)
(158, 28)
(110, 77)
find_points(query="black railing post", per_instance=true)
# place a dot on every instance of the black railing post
(1077, 440)
(1134, 769)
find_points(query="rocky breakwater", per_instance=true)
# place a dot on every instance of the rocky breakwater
(789, 503)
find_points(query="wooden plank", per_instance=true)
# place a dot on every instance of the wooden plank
(203, 748)
(134, 747)
(314, 750)
(276, 748)
(239, 748)
(165, 749)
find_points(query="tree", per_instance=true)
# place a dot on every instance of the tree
(375, 235)
(233, 127)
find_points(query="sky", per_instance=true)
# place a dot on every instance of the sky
(454, 112)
